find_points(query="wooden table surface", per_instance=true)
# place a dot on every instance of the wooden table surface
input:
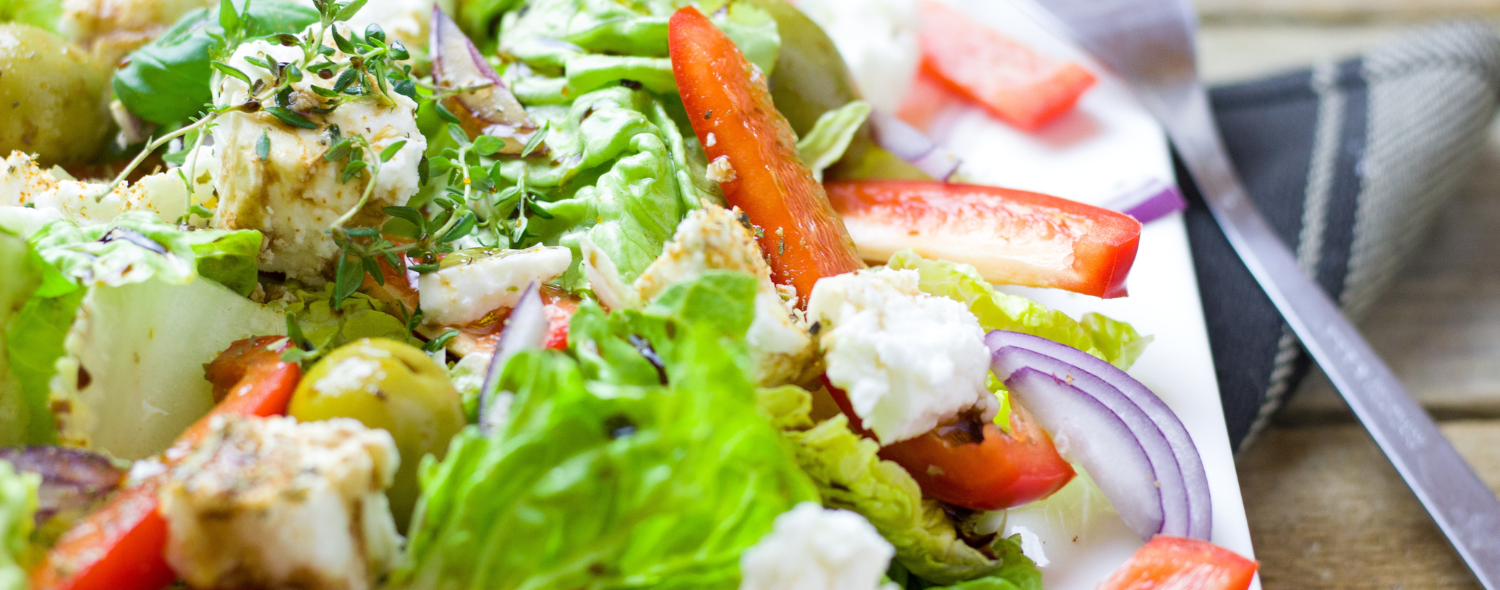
(1326, 510)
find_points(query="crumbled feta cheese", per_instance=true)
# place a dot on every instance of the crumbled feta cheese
(351, 374)
(461, 294)
(274, 503)
(811, 548)
(293, 195)
(720, 170)
(604, 277)
(714, 238)
(25, 183)
(878, 39)
(908, 361)
(712, 141)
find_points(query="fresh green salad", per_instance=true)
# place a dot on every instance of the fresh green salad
(492, 294)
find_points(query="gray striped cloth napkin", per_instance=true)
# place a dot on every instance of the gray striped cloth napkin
(1349, 162)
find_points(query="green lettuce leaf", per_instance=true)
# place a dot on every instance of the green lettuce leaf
(18, 504)
(18, 282)
(136, 246)
(1111, 340)
(357, 316)
(850, 475)
(131, 377)
(167, 80)
(37, 13)
(826, 142)
(624, 166)
(604, 476)
(1017, 572)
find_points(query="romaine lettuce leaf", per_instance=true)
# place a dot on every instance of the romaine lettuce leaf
(1114, 341)
(18, 280)
(18, 504)
(826, 142)
(851, 475)
(1017, 572)
(604, 476)
(131, 378)
(624, 167)
(137, 246)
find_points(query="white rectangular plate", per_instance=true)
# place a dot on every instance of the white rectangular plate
(1109, 144)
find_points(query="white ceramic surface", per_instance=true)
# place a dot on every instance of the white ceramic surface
(1107, 145)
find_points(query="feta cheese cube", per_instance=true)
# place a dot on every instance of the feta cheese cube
(274, 503)
(294, 195)
(815, 549)
(907, 360)
(714, 238)
(470, 290)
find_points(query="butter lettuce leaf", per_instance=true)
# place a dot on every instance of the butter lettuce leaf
(850, 475)
(137, 246)
(18, 505)
(611, 471)
(1114, 341)
(830, 136)
(18, 281)
(37, 13)
(1017, 572)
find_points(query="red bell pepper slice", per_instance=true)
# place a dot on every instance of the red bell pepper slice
(1012, 237)
(1012, 81)
(119, 546)
(1000, 470)
(1190, 564)
(732, 114)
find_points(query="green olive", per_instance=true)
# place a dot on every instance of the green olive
(390, 385)
(53, 99)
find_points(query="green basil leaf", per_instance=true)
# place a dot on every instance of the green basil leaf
(167, 80)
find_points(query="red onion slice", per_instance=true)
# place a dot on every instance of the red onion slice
(1086, 432)
(1007, 360)
(525, 328)
(1150, 201)
(1189, 462)
(493, 110)
(905, 142)
(72, 479)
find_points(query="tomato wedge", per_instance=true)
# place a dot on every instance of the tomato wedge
(1174, 562)
(119, 546)
(1008, 78)
(1012, 237)
(732, 114)
(928, 98)
(1001, 470)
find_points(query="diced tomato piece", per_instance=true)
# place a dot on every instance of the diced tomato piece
(1012, 237)
(559, 308)
(1175, 563)
(1000, 470)
(1014, 82)
(928, 98)
(732, 114)
(119, 546)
